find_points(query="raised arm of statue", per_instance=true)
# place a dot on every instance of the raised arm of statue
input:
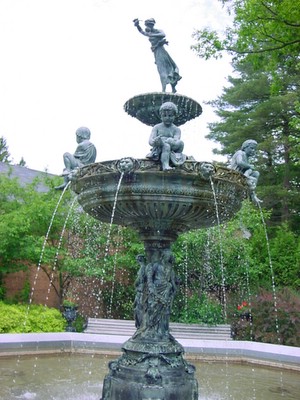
(167, 69)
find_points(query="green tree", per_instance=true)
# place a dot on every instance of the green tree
(268, 31)
(25, 215)
(211, 262)
(22, 162)
(4, 153)
(249, 109)
(231, 263)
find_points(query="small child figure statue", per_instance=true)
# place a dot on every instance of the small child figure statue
(240, 163)
(85, 154)
(165, 139)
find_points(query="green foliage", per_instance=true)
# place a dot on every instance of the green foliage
(22, 296)
(249, 110)
(69, 303)
(20, 318)
(4, 153)
(285, 254)
(2, 292)
(231, 262)
(262, 102)
(268, 32)
(219, 258)
(25, 218)
(122, 301)
(98, 249)
(79, 324)
(197, 309)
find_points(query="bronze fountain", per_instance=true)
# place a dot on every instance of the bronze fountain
(160, 199)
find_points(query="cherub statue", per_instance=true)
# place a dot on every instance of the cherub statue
(240, 162)
(85, 154)
(167, 69)
(165, 139)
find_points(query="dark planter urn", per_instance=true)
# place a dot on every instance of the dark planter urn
(70, 314)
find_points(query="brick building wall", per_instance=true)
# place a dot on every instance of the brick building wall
(42, 292)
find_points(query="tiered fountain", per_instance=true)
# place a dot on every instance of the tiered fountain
(160, 203)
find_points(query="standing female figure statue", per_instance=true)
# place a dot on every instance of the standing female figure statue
(167, 69)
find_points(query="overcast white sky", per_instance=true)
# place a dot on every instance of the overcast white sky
(71, 63)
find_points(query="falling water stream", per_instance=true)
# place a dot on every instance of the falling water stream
(58, 249)
(221, 251)
(271, 272)
(185, 249)
(38, 271)
(116, 251)
(222, 274)
(107, 247)
(273, 284)
(111, 222)
(43, 249)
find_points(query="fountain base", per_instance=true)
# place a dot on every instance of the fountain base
(148, 370)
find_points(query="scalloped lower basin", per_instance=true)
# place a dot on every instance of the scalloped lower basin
(148, 199)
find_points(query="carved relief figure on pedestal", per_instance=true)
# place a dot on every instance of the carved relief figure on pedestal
(155, 291)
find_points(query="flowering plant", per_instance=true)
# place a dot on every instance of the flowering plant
(244, 312)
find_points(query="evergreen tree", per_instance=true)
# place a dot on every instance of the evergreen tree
(22, 162)
(249, 109)
(262, 103)
(4, 153)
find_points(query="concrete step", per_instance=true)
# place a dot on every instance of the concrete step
(178, 330)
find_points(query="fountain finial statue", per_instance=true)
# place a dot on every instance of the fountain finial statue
(167, 69)
(240, 162)
(165, 139)
(85, 154)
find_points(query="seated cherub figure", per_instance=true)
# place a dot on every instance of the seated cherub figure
(165, 139)
(240, 162)
(85, 154)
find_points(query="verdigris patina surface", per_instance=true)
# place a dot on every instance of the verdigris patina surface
(85, 154)
(159, 204)
(160, 196)
(167, 69)
(165, 139)
(145, 107)
(240, 162)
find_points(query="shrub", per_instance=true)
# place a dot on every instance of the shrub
(20, 318)
(278, 324)
(199, 310)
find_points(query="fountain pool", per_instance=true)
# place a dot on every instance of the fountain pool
(67, 365)
(80, 376)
